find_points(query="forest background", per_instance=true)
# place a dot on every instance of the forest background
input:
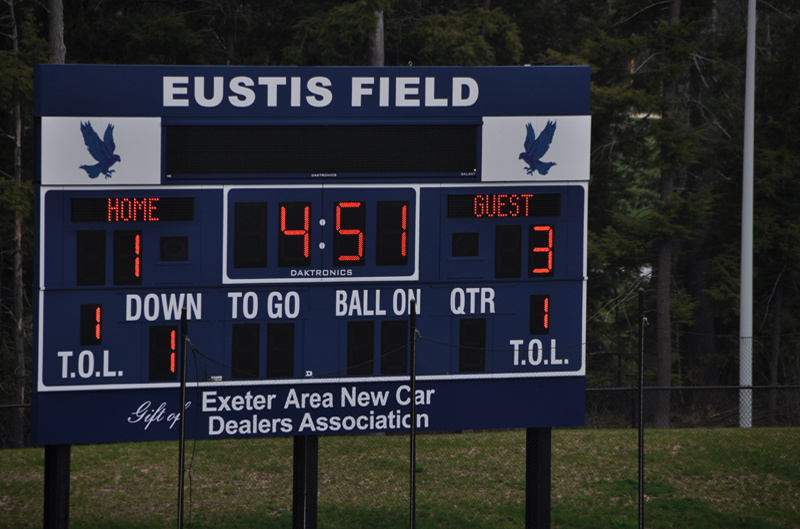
(667, 100)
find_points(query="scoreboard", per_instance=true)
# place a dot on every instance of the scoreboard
(293, 215)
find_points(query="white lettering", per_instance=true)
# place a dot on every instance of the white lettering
(171, 91)
(200, 92)
(430, 94)
(404, 89)
(234, 296)
(318, 87)
(272, 84)
(246, 96)
(459, 84)
(359, 89)
(65, 356)
(131, 313)
(341, 302)
(250, 305)
(151, 307)
(292, 305)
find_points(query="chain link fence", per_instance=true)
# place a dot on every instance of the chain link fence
(471, 479)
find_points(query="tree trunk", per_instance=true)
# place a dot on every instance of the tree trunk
(20, 374)
(775, 355)
(663, 328)
(664, 267)
(58, 51)
(376, 42)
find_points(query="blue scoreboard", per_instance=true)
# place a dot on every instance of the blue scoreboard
(293, 215)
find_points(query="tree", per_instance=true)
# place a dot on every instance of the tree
(16, 76)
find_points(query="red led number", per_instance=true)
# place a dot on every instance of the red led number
(97, 324)
(172, 351)
(302, 232)
(404, 238)
(540, 314)
(540, 251)
(349, 239)
(391, 235)
(137, 249)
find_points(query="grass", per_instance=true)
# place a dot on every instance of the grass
(705, 478)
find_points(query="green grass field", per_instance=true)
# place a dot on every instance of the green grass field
(705, 478)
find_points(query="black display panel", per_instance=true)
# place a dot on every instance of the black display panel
(394, 347)
(508, 251)
(360, 347)
(245, 345)
(250, 235)
(314, 149)
(472, 345)
(280, 350)
(91, 258)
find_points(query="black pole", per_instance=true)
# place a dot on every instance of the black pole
(56, 486)
(641, 408)
(413, 376)
(182, 445)
(537, 477)
(304, 482)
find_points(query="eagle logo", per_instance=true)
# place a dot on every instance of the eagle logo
(535, 148)
(101, 150)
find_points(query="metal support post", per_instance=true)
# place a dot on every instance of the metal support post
(304, 482)
(537, 478)
(56, 486)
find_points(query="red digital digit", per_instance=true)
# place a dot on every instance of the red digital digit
(128, 248)
(348, 240)
(391, 234)
(97, 324)
(91, 323)
(540, 251)
(302, 232)
(404, 242)
(294, 237)
(172, 349)
(137, 250)
(540, 314)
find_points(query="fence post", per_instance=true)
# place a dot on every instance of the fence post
(56, 486)
(304, 482)
(537, 478)
(641, 408)
(182, 431)
(413, 429)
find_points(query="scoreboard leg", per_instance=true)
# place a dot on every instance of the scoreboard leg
(56, 486)
(537, 478)
(304, 484)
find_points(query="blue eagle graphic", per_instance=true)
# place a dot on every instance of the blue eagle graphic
(101, 150)
(535, 148)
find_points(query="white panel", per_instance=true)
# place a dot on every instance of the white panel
(504, 143)
(137, 143)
